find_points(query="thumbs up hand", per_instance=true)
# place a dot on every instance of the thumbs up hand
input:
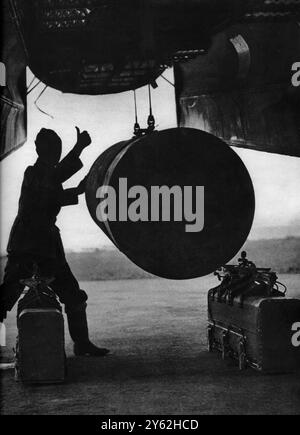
(83, 139)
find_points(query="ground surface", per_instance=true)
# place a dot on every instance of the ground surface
(158, 363)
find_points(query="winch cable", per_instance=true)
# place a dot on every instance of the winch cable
(151, 119)
(138, 131)
(150, 100)
(282, 285)
(137, 127)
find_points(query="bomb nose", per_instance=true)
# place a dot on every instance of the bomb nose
(179, 203)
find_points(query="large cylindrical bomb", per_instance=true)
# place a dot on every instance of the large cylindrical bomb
(179, 203)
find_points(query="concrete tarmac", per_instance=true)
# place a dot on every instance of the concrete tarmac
(159, 364)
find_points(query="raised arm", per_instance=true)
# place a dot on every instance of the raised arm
(72, 163)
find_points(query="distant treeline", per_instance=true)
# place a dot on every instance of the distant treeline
(282, 255)
(99, 265)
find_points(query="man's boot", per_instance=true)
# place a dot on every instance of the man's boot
(79, 333)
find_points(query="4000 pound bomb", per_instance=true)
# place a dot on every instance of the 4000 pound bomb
(179, 203)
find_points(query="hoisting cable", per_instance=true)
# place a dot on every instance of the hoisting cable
(282, 285)
(137, 127)
(151, 119)
(150, 99)
(138, 131)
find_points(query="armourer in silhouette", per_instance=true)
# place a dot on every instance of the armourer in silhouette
(35, 239)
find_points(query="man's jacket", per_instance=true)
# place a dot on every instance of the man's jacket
(34, 232)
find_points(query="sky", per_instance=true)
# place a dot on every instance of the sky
(110, 119)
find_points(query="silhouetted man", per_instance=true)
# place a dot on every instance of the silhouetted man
(35, 239)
